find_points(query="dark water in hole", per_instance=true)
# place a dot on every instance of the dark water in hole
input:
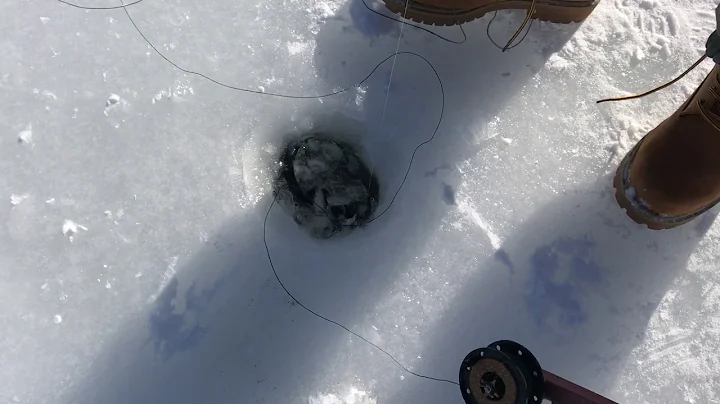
(326, 185)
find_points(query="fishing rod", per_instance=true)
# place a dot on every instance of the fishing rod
(506, 372)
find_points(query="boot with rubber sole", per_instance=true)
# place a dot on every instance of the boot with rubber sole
(452, 12)
(672, 175)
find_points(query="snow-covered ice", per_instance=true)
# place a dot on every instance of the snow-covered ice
(506, 228)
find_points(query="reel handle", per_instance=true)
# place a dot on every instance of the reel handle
(561, 391)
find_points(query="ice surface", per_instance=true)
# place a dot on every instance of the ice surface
(488, 239)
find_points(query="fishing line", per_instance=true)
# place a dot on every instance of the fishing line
(407, 172)
(100, 8)
(231, 87)
(392, 71)
(387, 92)
(320, 316)
(453, 41)
(430, 139)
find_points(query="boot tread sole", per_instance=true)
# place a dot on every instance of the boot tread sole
(557, 11)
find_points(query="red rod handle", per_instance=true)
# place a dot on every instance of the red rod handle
(561, 391)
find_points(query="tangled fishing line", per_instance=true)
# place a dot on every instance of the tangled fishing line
(393, 56)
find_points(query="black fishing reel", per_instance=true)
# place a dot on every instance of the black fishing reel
(503, 373)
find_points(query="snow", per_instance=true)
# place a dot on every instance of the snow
(25, 136)
(17, 199)
(69, 228)
(506, 228)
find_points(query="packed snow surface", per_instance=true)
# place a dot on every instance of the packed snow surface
(132, 263)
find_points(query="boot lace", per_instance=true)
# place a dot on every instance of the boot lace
(712, 117)
(654, 90)
(528, 20)
(525, 22)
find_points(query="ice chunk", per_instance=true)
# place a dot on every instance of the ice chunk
(112, 100)
(17, 199)
(69, 228)
(26, 135)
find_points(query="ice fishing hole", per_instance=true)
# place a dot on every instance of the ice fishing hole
(325, 184)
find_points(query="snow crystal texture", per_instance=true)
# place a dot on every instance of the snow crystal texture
(132, 264)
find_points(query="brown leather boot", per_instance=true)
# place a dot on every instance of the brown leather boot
(673, 174)
(452, 12)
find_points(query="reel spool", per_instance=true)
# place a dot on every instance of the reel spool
(503, 373)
